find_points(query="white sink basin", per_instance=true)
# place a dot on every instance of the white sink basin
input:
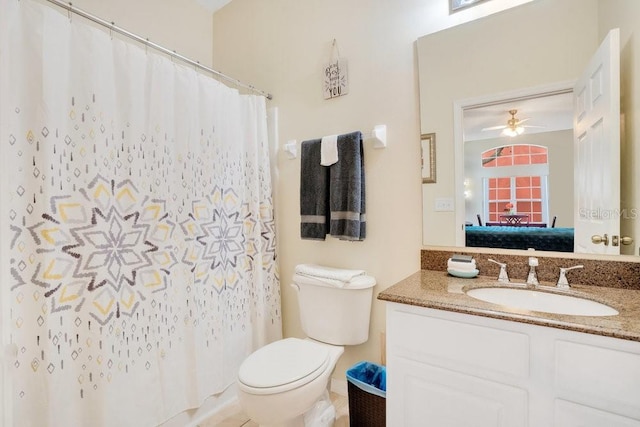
(545, 302)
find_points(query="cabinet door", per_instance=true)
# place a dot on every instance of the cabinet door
(569, 414)
(604, 378)
(428, 395)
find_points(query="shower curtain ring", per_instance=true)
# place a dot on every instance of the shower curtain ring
(111, 29)
(69, 11)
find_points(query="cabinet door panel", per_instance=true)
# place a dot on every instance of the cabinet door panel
(428, 395)
(461, 346)
(569, 414)
(601, 377)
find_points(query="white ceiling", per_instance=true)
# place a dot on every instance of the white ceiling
(551, 113)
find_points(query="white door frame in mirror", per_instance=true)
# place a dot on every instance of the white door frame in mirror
(458, 134)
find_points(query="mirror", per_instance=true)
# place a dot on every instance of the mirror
(542, 44)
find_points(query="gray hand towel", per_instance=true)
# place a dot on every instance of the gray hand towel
(347, 190)
(314, 192)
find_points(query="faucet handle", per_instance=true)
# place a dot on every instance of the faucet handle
(502, 277)
(533, 261)
(562, 280)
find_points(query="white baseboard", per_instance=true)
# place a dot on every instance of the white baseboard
(339, 386)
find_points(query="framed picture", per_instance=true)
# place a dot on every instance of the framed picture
(428, 142)
(456, 5)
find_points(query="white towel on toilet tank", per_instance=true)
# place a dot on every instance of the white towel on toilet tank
(358, 282)
(319, 271)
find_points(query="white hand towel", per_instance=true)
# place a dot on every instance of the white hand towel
(327, 272)
(461, 266)
(329, 150)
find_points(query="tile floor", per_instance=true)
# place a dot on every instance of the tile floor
(234, 417)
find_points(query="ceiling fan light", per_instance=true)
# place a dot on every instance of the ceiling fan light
(509, 132)
(513, 131)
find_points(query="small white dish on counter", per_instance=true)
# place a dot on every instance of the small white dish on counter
(463, 274)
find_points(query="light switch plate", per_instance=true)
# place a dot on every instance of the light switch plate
(444, 204)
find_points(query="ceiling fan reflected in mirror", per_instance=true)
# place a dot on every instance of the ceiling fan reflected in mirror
(514, 126)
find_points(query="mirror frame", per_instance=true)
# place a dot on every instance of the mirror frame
(458, 136)
(456, 6)
(428, 148)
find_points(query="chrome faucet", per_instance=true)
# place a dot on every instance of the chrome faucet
(562, 280)
(502, 276)
(532, 278)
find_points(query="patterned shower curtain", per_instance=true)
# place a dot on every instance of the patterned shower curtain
(139, 244)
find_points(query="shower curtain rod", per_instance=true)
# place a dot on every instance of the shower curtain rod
(72, 9)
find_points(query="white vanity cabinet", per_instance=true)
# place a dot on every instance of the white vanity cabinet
(447, 369)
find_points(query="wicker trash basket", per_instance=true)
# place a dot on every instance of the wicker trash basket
(367, 386)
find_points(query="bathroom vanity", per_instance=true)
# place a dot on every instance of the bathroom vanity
(454, 360)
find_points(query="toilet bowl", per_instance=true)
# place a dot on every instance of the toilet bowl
(281, 381)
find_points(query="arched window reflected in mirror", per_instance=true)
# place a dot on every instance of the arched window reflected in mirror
(514, 180)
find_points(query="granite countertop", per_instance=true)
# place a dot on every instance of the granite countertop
(439, 290)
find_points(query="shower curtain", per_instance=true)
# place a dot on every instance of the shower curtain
(139, 259)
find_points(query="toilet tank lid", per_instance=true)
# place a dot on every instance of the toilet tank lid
(359, 282)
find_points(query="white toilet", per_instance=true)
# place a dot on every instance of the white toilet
(281, 381)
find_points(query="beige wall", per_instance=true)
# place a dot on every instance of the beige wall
(561, 181)
(180, 25)
(624, 14)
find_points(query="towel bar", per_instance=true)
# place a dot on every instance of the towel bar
(377, 136)
(291, 149)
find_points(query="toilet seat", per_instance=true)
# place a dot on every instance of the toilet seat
(283, 365)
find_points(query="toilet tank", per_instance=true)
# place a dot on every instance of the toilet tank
(332, 314)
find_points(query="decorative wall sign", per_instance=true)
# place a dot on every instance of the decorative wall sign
(335, 75)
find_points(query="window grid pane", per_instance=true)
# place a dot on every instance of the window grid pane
(524, 193)
(527, 198)
(514, 155)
